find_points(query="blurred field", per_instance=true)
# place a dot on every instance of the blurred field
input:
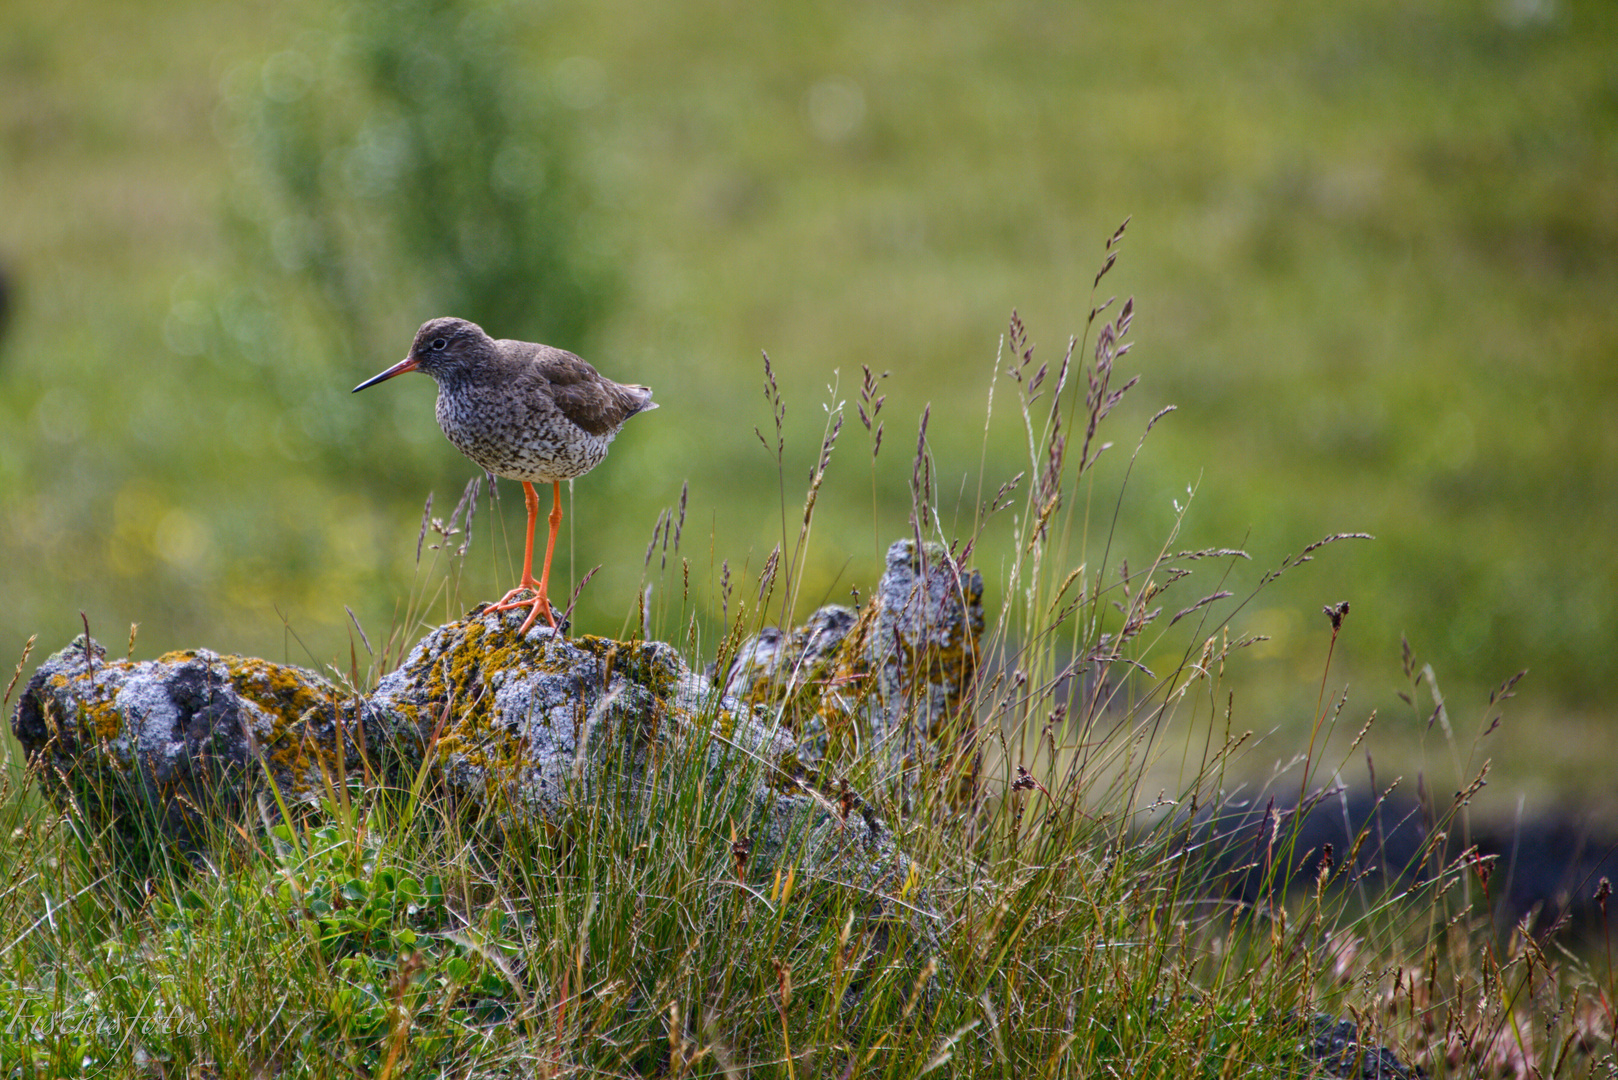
(1374, 249)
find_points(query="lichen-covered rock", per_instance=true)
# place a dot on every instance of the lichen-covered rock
(538, 728)
(790, 671)
(181, 739)
(889, 683)
(526, 724)
(918, 642)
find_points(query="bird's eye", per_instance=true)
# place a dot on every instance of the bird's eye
(439, 345)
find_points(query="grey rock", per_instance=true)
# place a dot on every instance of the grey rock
(1335, 1044)
(529, 725)
(921, 646)
(181, 740)
(887, 684)
(794, 674)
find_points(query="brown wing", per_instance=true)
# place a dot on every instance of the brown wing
(583, 395)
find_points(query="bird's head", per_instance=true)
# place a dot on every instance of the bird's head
(444, 349)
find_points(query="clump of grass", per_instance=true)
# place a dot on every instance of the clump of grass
(1103, 896)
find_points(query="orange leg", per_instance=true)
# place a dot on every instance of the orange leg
(527, 583)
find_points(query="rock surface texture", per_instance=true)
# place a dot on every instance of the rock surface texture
(178, 741)
(1335, 1043)
(887, 683)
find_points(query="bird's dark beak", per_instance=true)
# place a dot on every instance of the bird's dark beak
(407, 364)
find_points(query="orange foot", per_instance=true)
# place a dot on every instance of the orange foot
(537, 603)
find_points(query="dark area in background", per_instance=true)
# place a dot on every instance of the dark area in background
(1548, 866)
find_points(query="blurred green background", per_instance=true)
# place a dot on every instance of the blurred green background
(1374, 248)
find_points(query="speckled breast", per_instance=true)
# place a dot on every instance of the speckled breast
(521, 444)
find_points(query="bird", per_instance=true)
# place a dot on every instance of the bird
(524, 411)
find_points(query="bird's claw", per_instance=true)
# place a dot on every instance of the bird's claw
(536, 603)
